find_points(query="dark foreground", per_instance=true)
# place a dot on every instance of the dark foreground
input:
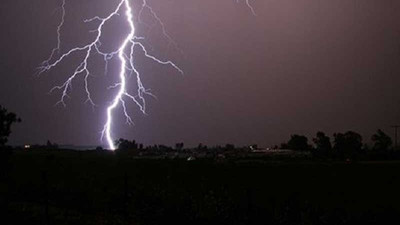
(105, 188)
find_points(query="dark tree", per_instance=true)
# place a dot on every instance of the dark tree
(348, 145)
(179, 146)
(382, 142)
(6, 120)
(323, 146)
(298, 143)
(201, 147)
(126, 145)
(50, 145)
(229, 147)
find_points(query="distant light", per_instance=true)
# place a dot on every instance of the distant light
(27, 146)
(191, 158)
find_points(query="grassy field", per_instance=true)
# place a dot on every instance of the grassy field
(66, 187)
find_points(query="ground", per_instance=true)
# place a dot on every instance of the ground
(70, 187)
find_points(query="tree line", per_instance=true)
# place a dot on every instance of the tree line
(348, 145)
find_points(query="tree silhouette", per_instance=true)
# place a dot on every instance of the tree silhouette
(382, 142)
(323, 146)
(50, 145)
(201, 147)
(126, 144)
(347, 145)
(179, 146)
(229, 147)
(298, 143)
(6, 120)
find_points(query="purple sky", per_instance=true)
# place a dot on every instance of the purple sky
(299, 66)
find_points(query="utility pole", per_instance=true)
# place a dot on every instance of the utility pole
(395, 135)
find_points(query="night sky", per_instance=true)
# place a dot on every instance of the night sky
(299, 66)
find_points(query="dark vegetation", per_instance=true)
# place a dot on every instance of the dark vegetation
(6, 120)
(101, 187)
(333, 182)
(345, 146)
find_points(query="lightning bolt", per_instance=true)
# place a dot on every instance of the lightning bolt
(249, 6)
(125, 53)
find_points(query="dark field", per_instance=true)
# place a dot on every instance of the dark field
(105, 188)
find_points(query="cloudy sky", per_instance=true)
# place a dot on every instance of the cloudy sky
(299, 66)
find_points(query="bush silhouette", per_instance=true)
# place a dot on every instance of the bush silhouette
(298, 143)
(382, 142)
(347, 145)
(323, 146)
(6, 120)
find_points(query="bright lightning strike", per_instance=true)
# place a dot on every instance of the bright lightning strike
(125, 54)
(249, 6)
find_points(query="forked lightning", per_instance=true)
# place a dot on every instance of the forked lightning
(125, 53)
